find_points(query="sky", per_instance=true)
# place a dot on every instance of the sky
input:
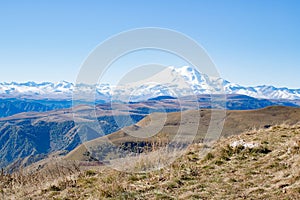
(251, 42)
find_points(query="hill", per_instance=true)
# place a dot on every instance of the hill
(31, 136)
(235, 123)
(257, 164)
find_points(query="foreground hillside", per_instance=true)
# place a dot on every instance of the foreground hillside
(258, 164)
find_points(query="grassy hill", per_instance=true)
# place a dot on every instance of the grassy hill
(235, 123)
(257, 164)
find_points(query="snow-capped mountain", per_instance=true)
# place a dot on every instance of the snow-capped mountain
(169, 82)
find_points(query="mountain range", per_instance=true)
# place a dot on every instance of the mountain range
(175, 82)
(36, 119)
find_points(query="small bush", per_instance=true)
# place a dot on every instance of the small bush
(209, 156)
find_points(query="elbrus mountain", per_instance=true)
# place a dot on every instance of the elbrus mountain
(198, 82)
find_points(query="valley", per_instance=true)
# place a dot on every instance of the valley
(32, 136)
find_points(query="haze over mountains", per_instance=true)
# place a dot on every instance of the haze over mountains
(199, 84)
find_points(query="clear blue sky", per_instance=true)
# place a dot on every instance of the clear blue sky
(251, 42)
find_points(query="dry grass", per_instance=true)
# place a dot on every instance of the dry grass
(270, 170)
(27, 181)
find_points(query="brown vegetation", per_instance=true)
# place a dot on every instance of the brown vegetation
(268, 170)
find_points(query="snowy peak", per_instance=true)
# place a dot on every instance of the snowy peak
(191, 75)
(169, 82)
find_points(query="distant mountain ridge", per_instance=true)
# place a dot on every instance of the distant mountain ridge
(14, 106)
(198, 82)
